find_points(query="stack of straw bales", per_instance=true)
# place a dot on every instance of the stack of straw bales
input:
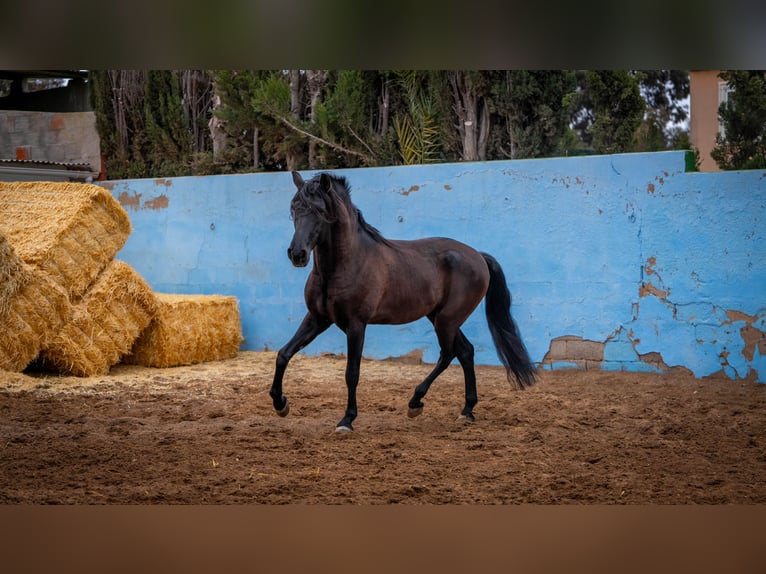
(66, 303)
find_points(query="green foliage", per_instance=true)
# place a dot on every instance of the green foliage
(152, 125)
(664, 90)
(618, 109)
(344, 107)
(346, 117)
(650, 135)
(168, 135)
(100, 98)
(235, 90)
(743, 115)
(533, 111)
(245, 108)
(271, 96)
(143, 127)
(271, 101)
(612, 96)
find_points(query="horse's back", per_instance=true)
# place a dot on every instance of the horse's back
(450, 256)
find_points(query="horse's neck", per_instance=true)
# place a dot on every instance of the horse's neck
(342, 252)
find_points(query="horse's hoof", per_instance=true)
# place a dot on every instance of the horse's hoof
(343, 428)
(412, 413)
(469, 418)
(285, 410)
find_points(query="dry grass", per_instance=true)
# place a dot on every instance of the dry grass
(189, 329)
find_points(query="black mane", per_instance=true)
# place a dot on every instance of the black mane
(343, 191)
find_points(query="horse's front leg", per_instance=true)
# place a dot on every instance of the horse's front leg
(355, 342)
(310, 327)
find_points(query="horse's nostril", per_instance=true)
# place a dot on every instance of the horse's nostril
(298, 257)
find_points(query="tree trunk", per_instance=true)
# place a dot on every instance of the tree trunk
(256, 149)
(384, 111)
(484, 126)
(198, 93)
(470, 152)
(465, 99)
(128, 89)
(217, 132)
(316, 80)
(511, 137)
(295, 93)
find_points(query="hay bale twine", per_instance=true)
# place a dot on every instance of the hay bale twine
(105, 323)
(189, 329)
(69, 231)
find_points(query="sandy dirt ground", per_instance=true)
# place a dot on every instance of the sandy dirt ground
(207, 434)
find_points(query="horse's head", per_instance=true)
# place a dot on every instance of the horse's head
(313, 211)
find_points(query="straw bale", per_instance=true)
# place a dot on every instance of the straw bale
(189, 329)
(13, 274)
(32, 317)
(67, 230)
(105, 323)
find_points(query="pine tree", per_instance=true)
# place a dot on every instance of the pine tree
(618, 109)
(743, 142)
(167, 131)
(529, 112)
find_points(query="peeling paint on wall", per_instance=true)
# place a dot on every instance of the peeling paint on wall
(410, 190)
(713, 320)
(133, 202)
(616, 353)
(129, 201)
(159, 202)
(572, 351)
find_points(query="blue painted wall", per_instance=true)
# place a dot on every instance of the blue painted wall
(627, 252)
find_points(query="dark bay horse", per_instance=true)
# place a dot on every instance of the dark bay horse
(359, 278)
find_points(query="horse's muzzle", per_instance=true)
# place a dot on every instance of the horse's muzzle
(299, 258)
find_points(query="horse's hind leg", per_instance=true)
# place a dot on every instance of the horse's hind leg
(416, 402)
(446, 336)
(307, 332)
(464, 352)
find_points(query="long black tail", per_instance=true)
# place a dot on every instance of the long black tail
(510, 348)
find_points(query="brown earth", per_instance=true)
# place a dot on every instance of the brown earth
(207, 434)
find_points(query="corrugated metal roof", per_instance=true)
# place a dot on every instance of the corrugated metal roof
(42, 170)
(39, 162)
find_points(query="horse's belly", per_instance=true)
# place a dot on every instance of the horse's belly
(404, 309)
(396, 318)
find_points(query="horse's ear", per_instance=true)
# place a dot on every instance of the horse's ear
(297, 179)
(324, 181)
